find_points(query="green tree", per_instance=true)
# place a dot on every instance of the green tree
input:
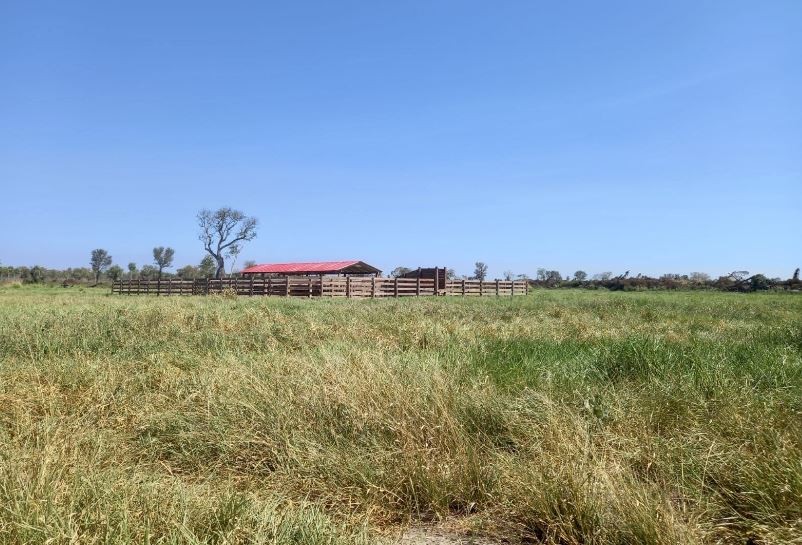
(37, 274)
(759, 282)
(115, 272)
(149, 272)
(399, 271)
(580, 276)
(480, 271)
(100, 261)
(132, 270)
(187, 272)
(207, 267)
(163, 258)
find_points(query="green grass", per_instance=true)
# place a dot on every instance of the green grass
(562, 417)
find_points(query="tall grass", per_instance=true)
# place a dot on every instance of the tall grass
(564, 417)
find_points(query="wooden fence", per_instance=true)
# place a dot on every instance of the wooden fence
(327, 286)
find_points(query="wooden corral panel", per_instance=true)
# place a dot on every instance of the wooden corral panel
(327, 286)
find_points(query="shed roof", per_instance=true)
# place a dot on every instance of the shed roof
(317, 267)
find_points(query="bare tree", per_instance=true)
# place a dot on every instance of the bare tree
(222, 233)
(480, 272)
(509, 275)
(101, 260)
(163, 258)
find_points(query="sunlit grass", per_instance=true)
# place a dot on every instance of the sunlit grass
(566, 417)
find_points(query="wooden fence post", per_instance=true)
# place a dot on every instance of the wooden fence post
(497, 287)
(169, 286)
(463, 287)
(287, 287)
(395, 287)
(373, 288)
(417, 287)
(269, 285)
(309, 286)
(250, 285)
(347, 287)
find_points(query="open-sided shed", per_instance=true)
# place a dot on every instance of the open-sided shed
(317, 268)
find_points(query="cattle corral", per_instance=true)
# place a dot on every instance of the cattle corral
(320, 286)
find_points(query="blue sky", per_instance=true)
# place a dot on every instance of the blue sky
(605, 136)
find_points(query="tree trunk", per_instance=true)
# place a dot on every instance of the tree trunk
(221, 267)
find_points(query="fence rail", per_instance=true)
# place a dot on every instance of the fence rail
(303, 286)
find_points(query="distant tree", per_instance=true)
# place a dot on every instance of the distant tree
(187, 272)
(480, 271)
(36, 274)
(699, 277)
(508, 275)
(759, 282)
(451, 274)
(132, 270)
(149, 272)
(795, 278)
(399, 271)
(163, 258)
(233, 253)
(553, 277)
(739, 275)
(604, 276)
(101, 260)
(115, 272)
(249, 263)
(222, 233)
(207, 267)
(580, 276)
(540, 275)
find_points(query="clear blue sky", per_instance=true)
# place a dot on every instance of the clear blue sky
(605, 136)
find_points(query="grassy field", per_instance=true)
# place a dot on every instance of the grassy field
(562, 417)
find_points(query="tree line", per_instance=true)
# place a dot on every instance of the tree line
(224, 231)
(552, 279)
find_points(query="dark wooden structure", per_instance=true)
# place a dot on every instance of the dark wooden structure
(430, 273)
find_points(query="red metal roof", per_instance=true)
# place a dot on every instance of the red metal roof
(319, 267)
